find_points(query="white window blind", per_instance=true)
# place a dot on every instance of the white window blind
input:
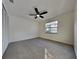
(51, 27)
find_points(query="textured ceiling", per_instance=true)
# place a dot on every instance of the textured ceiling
(22, 8)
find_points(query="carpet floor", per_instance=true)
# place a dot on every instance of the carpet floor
(35, 49)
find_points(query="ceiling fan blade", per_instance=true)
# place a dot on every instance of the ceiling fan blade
(36, 10)
(32, 14)
(43, 13)
(41, 16)
(35, 17)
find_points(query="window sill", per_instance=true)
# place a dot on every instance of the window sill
(51, 33)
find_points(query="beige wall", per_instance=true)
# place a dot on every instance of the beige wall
(65, 29)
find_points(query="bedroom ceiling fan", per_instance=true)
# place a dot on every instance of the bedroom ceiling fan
(38, 14)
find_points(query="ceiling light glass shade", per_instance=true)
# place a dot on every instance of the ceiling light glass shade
(37, 15)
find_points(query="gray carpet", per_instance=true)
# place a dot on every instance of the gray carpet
(35, 49)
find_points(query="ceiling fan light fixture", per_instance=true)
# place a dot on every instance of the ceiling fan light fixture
(37, 15)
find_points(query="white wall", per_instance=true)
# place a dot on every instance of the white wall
(22, 29)
(65, 29)
(16, 29)
(5, 30)
(75, 31)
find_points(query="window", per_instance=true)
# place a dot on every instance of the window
(51, 27)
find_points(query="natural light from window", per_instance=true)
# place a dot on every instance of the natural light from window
(51, 27)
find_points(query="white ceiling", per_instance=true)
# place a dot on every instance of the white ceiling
(22, 8)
